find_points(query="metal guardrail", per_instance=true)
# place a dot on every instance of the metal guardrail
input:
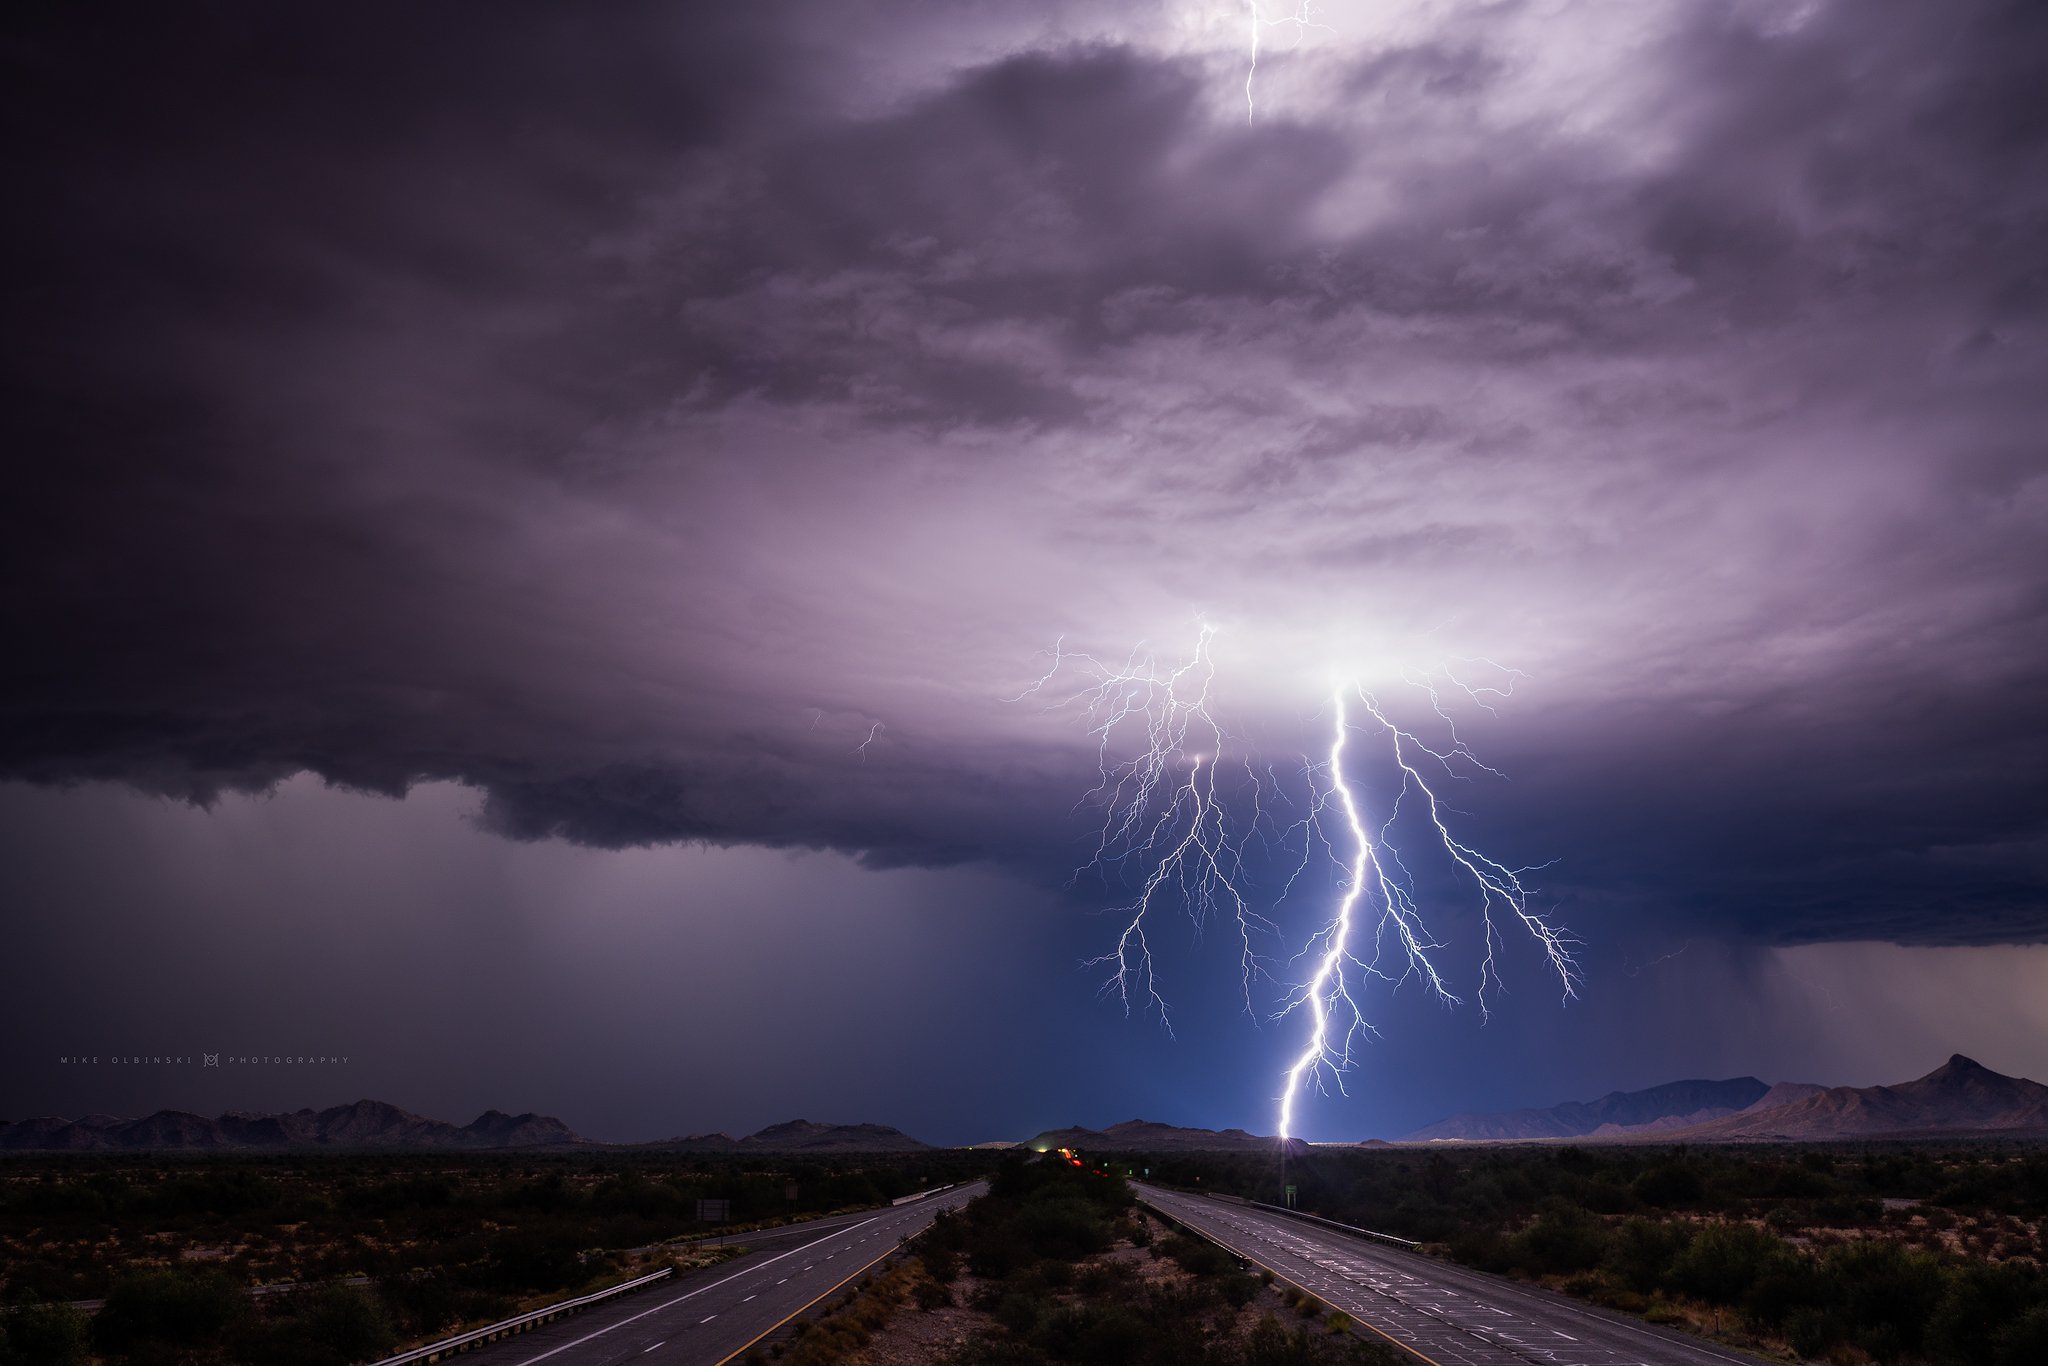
(1409, 1243)
(922, 1195)
(434, 1351)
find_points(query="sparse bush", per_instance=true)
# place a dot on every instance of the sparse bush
(1198, 1256)
(1563, 1238)
(1670, 1185)
(172, 1308)
(37, 1334)
(1724, 1260)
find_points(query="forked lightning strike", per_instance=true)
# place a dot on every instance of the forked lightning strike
(1162, 807)
(1301, 21)
(1375, 867)
(1164, 810)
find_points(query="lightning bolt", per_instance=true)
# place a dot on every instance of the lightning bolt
(1168, 812)
(1375, 868)
(1301, 21)
(1163, 808)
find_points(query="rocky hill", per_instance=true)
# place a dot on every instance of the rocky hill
(1960, 1096)
(802, 1136)
(1676, 1104)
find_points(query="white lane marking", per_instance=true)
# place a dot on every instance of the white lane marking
(646, 1350)
(1518, 1294)
(668, 1304)
(758, 1292)
(706, 1319)
(783, 1281)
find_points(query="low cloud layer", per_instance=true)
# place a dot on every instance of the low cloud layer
(628, 416)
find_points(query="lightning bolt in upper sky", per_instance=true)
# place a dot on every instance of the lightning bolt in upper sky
(1300, 20)
(1183, 799)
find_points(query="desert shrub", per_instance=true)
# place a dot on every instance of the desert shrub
(1019, 1312)
(1670, 1184)
(1272, 1344)
(1640, 1253)
(1198, 1256)
(1094, 1335)
(1563, 1238)
(37, 1334)
(942, 1264)
(175, 1309)
(1065, 1228)
(1889, 1292)
(1978, 1302)
(2024, 1342)
(332, 1325)
(1104, 1277)
(1725, 1260)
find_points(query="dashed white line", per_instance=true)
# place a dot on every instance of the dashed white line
(669, 1304)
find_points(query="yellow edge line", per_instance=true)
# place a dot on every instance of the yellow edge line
(1312, 1294)
(831, 1290)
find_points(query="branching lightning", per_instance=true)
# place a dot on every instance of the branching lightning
(1375, 870)
(862, 748)
(1301, 21)
(1162, 808)
(1167, 814)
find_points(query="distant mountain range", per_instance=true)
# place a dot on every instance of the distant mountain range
(1145, 1136)
(1960, 1096)
(1672, 1105)
(802, 1136)
(365, 1124)
(372, 1124)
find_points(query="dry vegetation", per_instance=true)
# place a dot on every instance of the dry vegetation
(370, 1251)
(1056, 1265)
(1876, 1252)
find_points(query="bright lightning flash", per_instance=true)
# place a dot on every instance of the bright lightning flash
(1375, 869)
(1301, 21)
(1162, 807)
(1164, 812)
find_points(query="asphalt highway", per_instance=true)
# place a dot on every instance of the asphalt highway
(714, 1315)
(1444, 1314)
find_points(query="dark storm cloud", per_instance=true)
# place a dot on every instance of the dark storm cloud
(626, 414)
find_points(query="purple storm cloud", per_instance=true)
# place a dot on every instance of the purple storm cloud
(625, 413)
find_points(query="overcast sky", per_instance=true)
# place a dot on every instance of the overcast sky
(664, 439)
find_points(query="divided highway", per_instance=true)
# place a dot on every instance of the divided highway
(714, 1315)
(1442, 1313)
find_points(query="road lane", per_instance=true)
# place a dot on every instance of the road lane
(714, 1315)
(1439, 1312)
